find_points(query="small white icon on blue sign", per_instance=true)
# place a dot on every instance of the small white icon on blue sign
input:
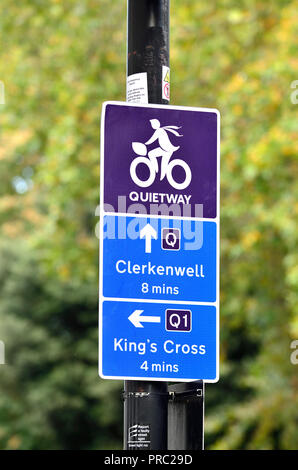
(137, 319)
(148, 232)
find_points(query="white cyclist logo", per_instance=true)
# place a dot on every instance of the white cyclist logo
(165, 150)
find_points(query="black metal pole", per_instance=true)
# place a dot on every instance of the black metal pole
(146, 403)
(186, 416)
(148, 43)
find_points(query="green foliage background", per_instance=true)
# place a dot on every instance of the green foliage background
(60, 59)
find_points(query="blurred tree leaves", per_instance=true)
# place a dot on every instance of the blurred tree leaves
(60, 60)
(51, 396)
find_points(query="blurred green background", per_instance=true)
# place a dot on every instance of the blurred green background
(60, 59)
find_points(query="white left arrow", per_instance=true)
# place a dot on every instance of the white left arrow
(137, 320)
(148, 232)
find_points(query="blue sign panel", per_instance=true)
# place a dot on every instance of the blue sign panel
(161, 259)
(159, 340)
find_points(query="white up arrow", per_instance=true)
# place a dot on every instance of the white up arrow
(136, 319)
(148, 232)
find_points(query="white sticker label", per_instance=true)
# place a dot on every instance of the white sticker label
(165, 83)
(139, 437)
(137, 88)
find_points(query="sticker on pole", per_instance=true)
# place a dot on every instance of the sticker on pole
(165, 83)
(159, 243)
(137, 88)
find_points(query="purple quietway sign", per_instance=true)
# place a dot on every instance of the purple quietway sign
(159, 156)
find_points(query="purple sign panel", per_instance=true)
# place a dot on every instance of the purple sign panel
(178, 320)
(160, 160)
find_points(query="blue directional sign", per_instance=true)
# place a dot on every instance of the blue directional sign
(145, 340)
(159, 243)
(149, 259)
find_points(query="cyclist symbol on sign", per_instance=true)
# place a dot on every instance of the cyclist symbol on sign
(165, 151)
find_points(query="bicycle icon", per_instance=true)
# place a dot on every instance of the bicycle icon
(165, 151)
